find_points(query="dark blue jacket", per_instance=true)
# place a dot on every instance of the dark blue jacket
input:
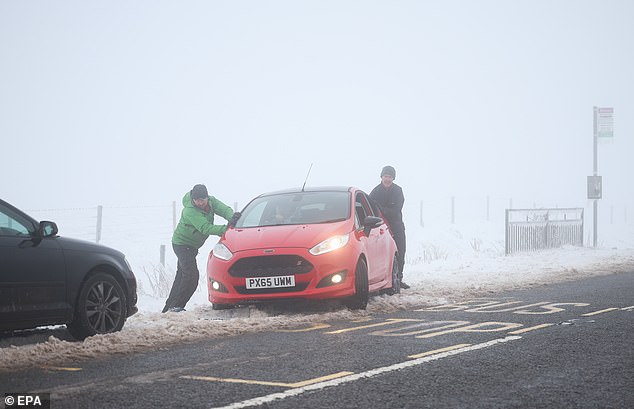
(390, 200)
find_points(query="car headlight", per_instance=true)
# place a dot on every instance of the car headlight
(331, 244)
(222, 252)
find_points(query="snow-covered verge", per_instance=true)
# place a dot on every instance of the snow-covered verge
(444, 265)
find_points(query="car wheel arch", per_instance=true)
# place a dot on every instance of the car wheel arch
(79, 325)
(100, 268)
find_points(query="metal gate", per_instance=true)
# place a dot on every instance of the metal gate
(535, 229)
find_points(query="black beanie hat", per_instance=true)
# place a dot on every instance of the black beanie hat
(388, 170)
(199, 192)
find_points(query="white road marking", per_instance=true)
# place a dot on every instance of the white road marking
(367, 374)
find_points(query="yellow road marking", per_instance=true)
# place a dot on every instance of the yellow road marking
(282, 384)
(523, 330)
(598, 312)
(379, 324)
(438, 351)
(480, 327)
(60, 368)
(311, 328)
(363, 319)
(323, 378)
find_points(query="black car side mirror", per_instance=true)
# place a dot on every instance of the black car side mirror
(47, 229)
(371, 222)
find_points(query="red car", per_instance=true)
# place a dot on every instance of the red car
(313, 243)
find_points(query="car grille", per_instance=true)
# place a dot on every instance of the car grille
(270, 266)
(298, 287)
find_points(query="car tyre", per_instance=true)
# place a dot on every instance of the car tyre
(396, 281)
(101, 307)
(359, 300)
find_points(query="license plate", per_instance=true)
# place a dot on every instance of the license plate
(270, 282)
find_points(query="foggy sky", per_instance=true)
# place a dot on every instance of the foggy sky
(119, 102)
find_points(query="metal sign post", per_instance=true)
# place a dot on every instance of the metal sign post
(603, 124)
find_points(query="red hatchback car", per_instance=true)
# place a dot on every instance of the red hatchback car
(313, 243)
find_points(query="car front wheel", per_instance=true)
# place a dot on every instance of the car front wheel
(361, 288)
(101, 307)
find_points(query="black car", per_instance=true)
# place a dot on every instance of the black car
(46, 279)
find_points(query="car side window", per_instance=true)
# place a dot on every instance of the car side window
(362, 209)
(10, 226)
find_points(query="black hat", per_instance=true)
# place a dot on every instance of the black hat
(388, 170)
(199, 192)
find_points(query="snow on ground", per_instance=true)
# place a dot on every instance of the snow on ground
(444, 264)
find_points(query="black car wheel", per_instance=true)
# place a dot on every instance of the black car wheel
(396, 281)
(101, 307)
(360, 298)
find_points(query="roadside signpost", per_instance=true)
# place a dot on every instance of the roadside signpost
(603, 124)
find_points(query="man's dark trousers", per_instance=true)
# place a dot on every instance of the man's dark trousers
(186, 280)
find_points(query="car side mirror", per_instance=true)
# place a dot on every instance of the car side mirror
(371, 222)
(47, 229)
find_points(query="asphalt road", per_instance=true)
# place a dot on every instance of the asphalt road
(568, 345)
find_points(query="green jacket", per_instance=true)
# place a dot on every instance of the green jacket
(195, 225)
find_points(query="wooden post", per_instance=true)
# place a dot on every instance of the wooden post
(99, 218)
(506, 232)
(488, 204)
(174, 215)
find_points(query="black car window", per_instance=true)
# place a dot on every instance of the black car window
(11, 226)
(363, 208)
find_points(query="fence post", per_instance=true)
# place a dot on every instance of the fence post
(488, 204)
(162, 255)
(99, 218)
(174, 215)
(506, 232)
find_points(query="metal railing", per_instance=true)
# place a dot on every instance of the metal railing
(535, 229)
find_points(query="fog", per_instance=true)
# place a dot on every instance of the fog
(119, 103)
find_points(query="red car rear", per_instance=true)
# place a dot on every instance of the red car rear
(314, 243)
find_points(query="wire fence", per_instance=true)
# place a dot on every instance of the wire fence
(144, 232)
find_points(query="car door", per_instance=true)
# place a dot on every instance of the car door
(375, 244)
(32, 274)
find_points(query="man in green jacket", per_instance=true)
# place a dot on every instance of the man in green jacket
(195, 226)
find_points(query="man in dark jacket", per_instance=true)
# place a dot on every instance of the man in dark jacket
(389, 196)
(195, 226)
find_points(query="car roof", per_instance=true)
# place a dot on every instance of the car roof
(311, 189)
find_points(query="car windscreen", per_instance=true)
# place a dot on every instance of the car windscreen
(296, 208)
